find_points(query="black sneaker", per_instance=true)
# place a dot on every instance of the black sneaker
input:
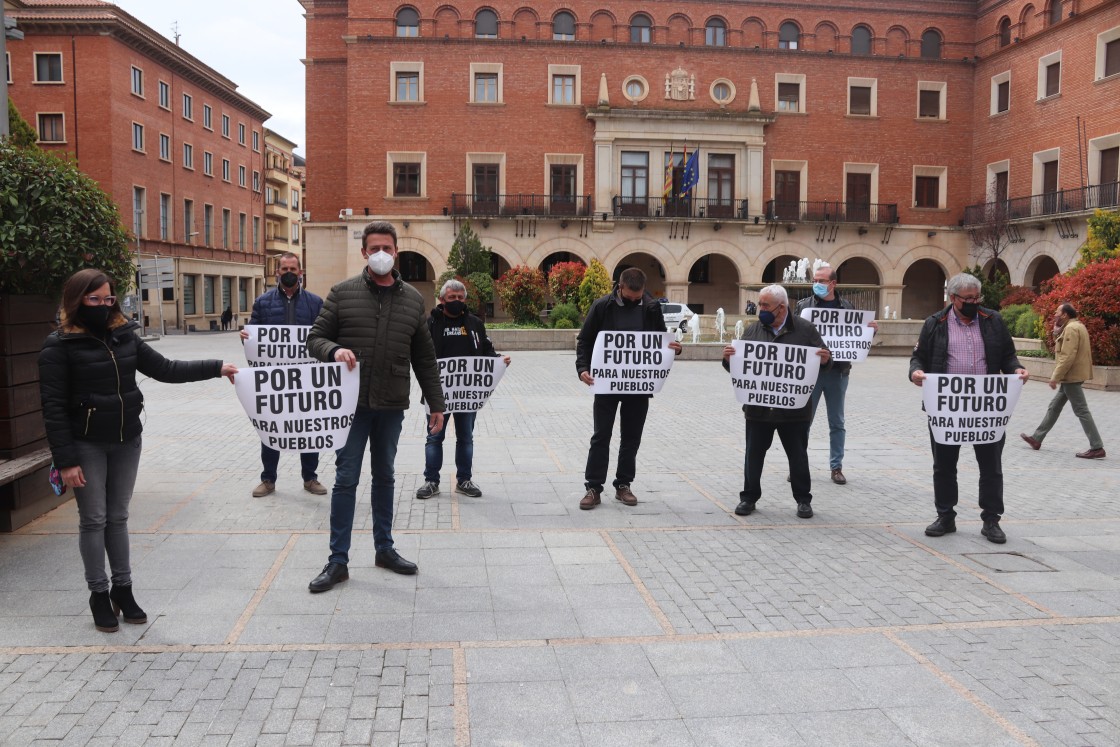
(468, 488)
(333, 573)
(428, 490)
(942, 525)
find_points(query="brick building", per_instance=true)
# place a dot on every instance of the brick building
(870, 134)
(282, 210)
(169, 138)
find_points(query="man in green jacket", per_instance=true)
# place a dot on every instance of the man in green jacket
(1074, 358)
(376, 320)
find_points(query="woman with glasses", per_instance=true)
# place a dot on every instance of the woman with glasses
(91, 407)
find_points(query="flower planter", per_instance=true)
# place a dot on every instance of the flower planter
(1104, 377)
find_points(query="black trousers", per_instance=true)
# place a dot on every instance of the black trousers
(989, 458)
(795, 441)
(632, 409)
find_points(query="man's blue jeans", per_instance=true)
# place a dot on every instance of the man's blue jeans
(833, 385)
(464, 448)
(381, 429)
(270, 459)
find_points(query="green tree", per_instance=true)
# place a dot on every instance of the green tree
(595, 284)
(1103, 240)
(20, 132)
(54, 221)
(468, 255)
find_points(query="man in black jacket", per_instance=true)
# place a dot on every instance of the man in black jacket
(964, 338)
(455, 333)
(776, 324)
(628, 308)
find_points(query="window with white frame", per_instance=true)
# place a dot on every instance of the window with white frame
(138, 137)
(240, 133)
(635, 88)
(486, 178)
(225, 170)
(789, 92)
(137, 82)
(207, 163)
(1044, 178)
(1000, 93)
(931, 99)
(48, 67)
(861, 191)
(188, 156)
(225, 126)
(930, 188)
(406, 82)
(207, 117)
(139, 200)
(188, 107)
(563, 181)
(256, 181)
(8, 67)
(1050, 75)
(165, 95)
(789, 184)
(564, 88)
(722, 91)
(406, 174)
(256, 141)
(1108, 53)
(52, 128)
(241, 176)
(486, 83)
(165, 228)
(863, 97)
(164, 147)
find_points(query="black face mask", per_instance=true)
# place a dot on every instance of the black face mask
(454, 308)
(289, 280)
(628, 302)
(95, 318)
(968, 310)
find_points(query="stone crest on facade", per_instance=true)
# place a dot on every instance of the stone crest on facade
(680, 86)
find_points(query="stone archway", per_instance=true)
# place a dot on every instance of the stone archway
(773, 271)
(556, 257)
(713, 283)
(1041, 269)
(647, 263)
(992, 267)
(924, 289)
(418, 272)
(859, 282)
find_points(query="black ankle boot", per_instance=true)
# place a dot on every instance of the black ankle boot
(102, 608)
(126, 605)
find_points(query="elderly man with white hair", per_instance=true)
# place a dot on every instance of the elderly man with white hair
(964, 338)
(776, 324)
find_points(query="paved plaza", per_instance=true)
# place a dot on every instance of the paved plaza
(531, 622)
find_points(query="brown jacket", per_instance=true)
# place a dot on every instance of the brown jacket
(1073, 354)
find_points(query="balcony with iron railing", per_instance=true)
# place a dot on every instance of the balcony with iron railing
(832, 211)
(521, 205)
(693, 208)
(1050, 204)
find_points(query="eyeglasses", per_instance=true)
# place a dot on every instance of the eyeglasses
(970, 299)
(100, 300)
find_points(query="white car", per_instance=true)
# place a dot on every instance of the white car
(676, 315)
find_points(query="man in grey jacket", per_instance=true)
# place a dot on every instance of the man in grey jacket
(377, 320)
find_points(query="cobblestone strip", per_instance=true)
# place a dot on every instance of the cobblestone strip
(973, 572)
(462, 706)
(963, 691)
(183, 503)
(654, 608)
(251, 608)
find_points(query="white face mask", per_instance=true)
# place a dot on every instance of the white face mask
(380, 262)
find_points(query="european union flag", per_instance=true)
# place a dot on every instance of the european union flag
(691, 175)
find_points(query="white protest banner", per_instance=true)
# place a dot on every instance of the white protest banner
(304, 407)
(844, 331)
(631, 362)
(769, 374)
(277, 344)
(969, 409)
(468, 381)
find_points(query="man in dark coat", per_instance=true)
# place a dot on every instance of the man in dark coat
(776, 324)
(964, 338)
(456, 333)
(378, 320)
(628, 308)
(287, 303)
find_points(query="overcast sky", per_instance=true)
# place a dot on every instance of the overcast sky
(258, 44)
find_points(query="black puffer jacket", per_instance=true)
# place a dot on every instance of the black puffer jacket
(88, 385)
(387, 331)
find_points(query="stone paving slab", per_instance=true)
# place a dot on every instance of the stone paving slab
(531, 622)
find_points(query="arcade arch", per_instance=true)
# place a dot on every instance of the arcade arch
(923, 291)
(647, 263)
(713, 283)
(1041, 269)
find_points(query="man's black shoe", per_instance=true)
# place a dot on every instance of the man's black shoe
(394, 562)
(942, 525)
(745, 508)
(333, 573)
(992, 531)
(804, 511)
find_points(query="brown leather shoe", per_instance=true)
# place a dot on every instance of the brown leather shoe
(838, 477)
(264, 489)
(1034, 442)
(314, 487)
(590, 500)
(1092, 454)
(622, 493)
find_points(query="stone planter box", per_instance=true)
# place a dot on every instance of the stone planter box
(1106, 378)
(507, 340)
